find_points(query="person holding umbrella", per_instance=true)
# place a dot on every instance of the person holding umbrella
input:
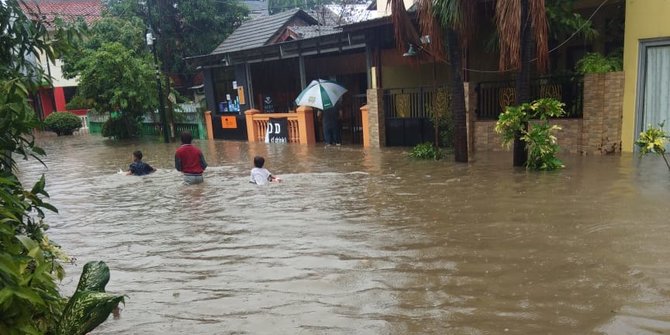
(323, 95)
(331, 119)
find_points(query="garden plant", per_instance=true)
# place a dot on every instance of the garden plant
(653, 141)
(30, 263)
(62, 123)
(426, 151)
(540, 141)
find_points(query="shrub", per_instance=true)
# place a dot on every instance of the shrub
(62, 123)
(78, 102)
(425, 151)
(594, 62)
(120, 127)
(540, 142)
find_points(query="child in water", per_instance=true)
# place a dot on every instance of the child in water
(260, 175)
(138, 167)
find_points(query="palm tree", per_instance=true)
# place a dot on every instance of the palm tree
(519, 24)
(451, 21)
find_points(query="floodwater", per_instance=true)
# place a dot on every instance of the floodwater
(359, 241)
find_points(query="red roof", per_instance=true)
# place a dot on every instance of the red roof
(68, 10)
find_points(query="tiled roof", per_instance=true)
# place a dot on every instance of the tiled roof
(259, 32)
(68, 10)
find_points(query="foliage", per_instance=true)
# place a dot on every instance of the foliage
(121, 127)
(29, 299)
(77, 102)
(90, 305)
(445, 118)
(115, 79)
(594, 62)
(128, 32)
(184, 28)
(62, 123)
(29, 262)
(541, 143)
(446, 131)
(563, 21)
(426, 151)
(653, 141)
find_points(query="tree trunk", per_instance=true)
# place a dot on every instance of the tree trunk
(523, 80)
(457, 97)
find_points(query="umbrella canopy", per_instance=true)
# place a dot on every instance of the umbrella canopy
(321, 94)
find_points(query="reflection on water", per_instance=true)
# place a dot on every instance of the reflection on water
(365, 241)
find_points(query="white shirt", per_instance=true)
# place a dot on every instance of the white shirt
(260, 176)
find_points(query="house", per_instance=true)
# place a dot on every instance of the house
(275, 57)
(54, 97)
(647, 68)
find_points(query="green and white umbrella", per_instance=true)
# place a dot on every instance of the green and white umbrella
(321, 94)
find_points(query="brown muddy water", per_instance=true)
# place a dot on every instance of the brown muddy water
(359, 241)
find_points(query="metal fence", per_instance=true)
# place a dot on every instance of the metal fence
(187, 118)
(352, 125)
(409, 114)
(411, 102)
(494, 96)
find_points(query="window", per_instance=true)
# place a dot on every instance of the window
(653, 99)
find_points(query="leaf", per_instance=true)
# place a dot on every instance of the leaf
(85, 311)
(94, 277)
(29, 295)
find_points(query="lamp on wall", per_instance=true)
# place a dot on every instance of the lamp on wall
(411, 52)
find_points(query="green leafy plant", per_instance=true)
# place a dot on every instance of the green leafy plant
(594, 62)
(62, 123)
(121, 127)
(539, 139)
(426, 151)
(30, 264)
(78, 102)
(90, 305)
(653, 141)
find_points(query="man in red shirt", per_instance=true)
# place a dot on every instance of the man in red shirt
(189, 160)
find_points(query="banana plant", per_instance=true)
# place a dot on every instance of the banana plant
(90, 305)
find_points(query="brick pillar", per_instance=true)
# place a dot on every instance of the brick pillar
(251, 130)
(603, 111)
(613, 116)
(365, 125)
(470, 115)
(376, 119)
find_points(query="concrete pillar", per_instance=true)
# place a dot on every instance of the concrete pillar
(306, 124)
(251, 129)
(208, 125)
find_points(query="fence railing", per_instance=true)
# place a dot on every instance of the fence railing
(412, 102)
(300, 125)
(187, 119)
(494, 96)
